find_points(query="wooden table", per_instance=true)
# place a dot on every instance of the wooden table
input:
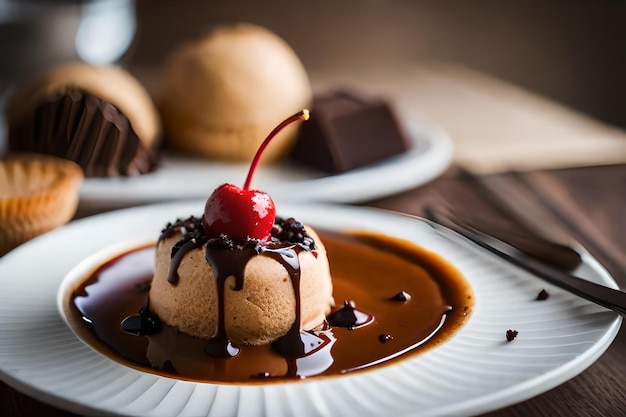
(586, 188)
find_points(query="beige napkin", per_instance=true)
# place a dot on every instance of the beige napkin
(495, 126)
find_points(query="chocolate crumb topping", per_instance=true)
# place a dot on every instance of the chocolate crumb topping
(292, 231)
(190, 227)
(511, 334)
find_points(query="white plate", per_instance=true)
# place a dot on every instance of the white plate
(184, 178)
(474, 372)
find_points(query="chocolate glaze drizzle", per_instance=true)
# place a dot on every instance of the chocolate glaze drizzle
(225, 262)
(290, 345)
(229, 258)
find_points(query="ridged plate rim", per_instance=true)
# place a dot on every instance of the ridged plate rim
(474, 372)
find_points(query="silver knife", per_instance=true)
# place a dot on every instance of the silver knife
(599, 294)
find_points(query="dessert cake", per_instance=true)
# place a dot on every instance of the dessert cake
(37, 194)
(99, 117)
(221, 94)
(239, 295)
(238, 275)
(257, 282)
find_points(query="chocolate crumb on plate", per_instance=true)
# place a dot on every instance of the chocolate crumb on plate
(543, 294)
(511, 334)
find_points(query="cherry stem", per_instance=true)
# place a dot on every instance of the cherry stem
(301, 115)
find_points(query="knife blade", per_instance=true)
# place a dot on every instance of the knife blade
(599, 294)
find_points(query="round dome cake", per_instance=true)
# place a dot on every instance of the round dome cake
(259, 306)
(219, 96)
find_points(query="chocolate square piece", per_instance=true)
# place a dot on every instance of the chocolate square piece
(347, 131)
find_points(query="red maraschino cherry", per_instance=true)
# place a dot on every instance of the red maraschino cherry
(244, 213)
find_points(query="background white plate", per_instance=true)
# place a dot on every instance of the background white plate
(474, 372)
(184, 178)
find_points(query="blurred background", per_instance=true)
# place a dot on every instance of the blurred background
(572, 52)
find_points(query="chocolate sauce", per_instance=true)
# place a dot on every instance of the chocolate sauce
(178, 253)
(143, 324)
(441, 303)
(291, 344)
(225, 263)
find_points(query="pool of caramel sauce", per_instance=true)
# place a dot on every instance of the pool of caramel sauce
(368, 269)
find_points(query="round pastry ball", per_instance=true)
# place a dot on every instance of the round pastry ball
(221, 95)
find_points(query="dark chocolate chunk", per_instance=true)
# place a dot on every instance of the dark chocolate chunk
(346, 131)
(344, 317)
(384, 338)
(144, 323)
(349, 317)
(401, 296)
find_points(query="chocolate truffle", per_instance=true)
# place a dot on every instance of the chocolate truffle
(347, 131)
(99, 117)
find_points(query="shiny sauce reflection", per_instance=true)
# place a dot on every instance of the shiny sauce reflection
(403, 299)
